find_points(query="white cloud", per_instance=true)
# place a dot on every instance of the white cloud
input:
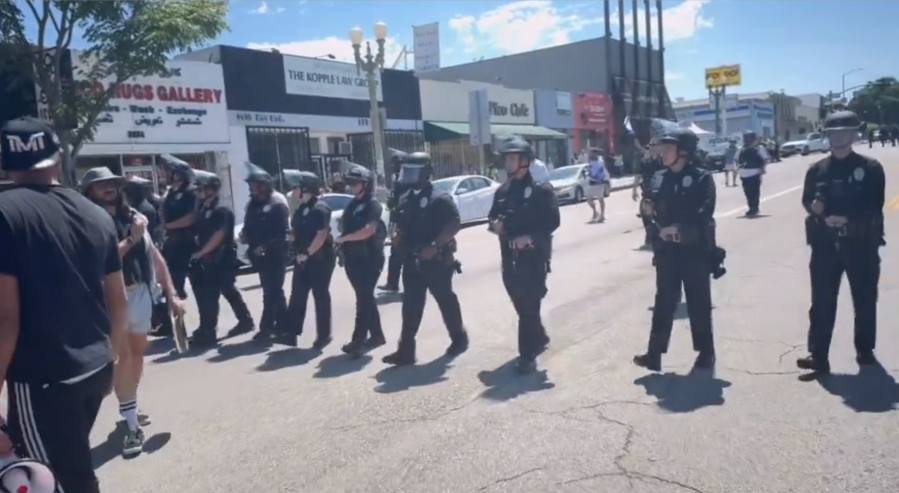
(263, 8)
(670, 76)
(340, 48)
(532, 24)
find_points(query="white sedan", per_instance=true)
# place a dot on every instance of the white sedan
(473, 195)
(570, 182)
(337, 202)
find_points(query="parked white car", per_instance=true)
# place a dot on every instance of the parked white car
(570, 182)
(473, 195)
(337, 202)
(813, 142)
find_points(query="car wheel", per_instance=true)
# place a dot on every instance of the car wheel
(805, 151)
(578, 195)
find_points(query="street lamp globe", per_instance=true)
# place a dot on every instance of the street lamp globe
(356, 35)
(380, 31)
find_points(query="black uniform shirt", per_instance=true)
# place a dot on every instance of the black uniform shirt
(525, 207)
(307, 221)
(59, 246)
(393, 201)
(686, 198)
(266, 223)
(852, 187)
(422, 215)
(751, 158)
(358, 213)
(179, 203)
(212, 218)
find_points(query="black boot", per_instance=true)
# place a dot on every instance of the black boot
(202, 338)
(244, 326)
(866, 358)
(354, 349)
(650, 361)
(525, 365)
(817, 365)
(321, 343)
(705, 359)
(459, 345)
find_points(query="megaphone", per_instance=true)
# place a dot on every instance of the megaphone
(19, 475)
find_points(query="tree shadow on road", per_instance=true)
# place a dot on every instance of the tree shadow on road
(685, 393)
(398, 379)
(284, 358)
(871, 390)
(227, 352)
(111, 448)
(340, 365)
(504, 383)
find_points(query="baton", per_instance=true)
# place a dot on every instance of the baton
(179, 331)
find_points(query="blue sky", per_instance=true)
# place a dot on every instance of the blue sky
(787, 45)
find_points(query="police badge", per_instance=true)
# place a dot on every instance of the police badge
(687, 181)
(527, 192)
(306, 211)
(208, 213)
(267, 208)
(423, 202)
(858, 174)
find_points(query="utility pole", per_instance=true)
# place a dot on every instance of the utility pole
(716, 95)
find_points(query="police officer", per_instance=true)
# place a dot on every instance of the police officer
(427, 221)
(315, 260)
(362, 245)
(214, 263)
(752, 161)
(844, 196)
(265, 234)
(394, 262)
(178, 214)
(524, 215)
(139, 193)
(649, 165)
(683, 206)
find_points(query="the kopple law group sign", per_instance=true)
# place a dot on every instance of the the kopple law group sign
(184, 106)
(326, 79)
(448, 102)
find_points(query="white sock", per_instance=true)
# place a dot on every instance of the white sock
(128, 410)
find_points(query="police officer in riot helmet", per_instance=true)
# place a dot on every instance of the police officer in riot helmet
(524, 215)
(265, 234)
(362, 246)
(427, 221)
(139, 193)
(178, 215)
(394, 263)
(683, 206)
(310, 232)
(649, 165)
(214, 263)
(752, 161)
(844, 197)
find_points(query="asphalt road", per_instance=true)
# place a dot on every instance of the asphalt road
(239, 418)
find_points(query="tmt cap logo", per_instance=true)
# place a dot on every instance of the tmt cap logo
(35, 143)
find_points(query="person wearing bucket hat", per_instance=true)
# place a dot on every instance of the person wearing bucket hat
(63, 326)
(141, 265)
(844, 197)
(178, 215)
(266, 223)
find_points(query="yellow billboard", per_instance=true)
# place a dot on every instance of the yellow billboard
(728, 75)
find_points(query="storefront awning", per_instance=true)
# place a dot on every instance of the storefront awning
(438, 131)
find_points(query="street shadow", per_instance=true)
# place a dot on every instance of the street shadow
(156, 442)
(227, 352)
(285, 358)
(174, 355)
(401, 378)
(386, 298)
(685, 393)
(161, 345)
(871, 390)
(504, 383)
(340, 365)
(110, 448)
(759, 216)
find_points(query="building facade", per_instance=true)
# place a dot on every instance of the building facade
(555, 111)
(746, 115)
(593, 113)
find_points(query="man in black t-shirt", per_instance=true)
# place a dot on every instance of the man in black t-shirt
(62, 307)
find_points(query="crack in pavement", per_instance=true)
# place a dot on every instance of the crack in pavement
(511, 478)
(794, 347)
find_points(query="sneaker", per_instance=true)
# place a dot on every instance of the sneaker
(143, 418)
(134, 442)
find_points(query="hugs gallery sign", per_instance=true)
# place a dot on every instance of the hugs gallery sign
(326, 79)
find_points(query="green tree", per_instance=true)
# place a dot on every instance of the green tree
(878, 101)
(121, 40)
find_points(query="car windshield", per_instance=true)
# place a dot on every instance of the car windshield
(564, 173)
(336, 202)
(444, 185)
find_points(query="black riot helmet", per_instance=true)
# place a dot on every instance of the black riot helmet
(138, 188)
(258, 174)
(842, 120)
(396, 161)
(207, 180)
(308, 183)
(177, 167)
(686, 141)
(517, 145)
(416, 169)
(359, 174)
(749, 138)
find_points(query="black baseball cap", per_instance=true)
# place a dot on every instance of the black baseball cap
(27, 144)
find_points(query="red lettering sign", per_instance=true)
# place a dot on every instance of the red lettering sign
(593, 111)
(174, 94)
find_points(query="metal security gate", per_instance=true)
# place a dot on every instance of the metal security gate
(279, 148)
(403, 140)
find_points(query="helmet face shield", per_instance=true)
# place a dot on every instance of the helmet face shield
(841, 137)
(411, 174)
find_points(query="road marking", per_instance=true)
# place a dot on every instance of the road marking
(763, 200)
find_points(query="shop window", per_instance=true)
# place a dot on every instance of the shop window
(334, 144)
(315, 146)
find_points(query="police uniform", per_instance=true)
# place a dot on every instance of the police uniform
(423, 216)
(685, 198)
(752, 161)
(395, 261)
(61, 366)
(525, 208)
(213, 275)
(140, 196)
(852, 188)
(180, 201)
(313, 274)
(648, 167)
(363, 262)
(266, 222)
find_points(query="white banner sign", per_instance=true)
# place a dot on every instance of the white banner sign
(315, 123)
(326, 79)
(185, 106)
(449, 102)
(426, 48)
